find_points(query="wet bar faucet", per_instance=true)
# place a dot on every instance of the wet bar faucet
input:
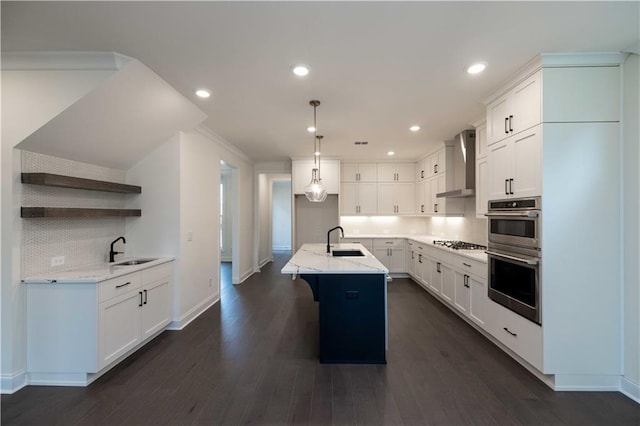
(112, 253)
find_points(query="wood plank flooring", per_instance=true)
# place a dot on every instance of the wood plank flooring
(252, 359)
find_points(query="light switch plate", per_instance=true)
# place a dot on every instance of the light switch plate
(57, 261)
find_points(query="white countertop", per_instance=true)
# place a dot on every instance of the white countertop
(314, 259)
(95, 272)
(478, 255)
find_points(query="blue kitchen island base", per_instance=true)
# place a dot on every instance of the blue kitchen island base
(352, 317)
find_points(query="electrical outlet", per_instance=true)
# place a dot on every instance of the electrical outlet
(57, 261)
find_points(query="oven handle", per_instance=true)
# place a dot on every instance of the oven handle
(518, 259)
(513, 214)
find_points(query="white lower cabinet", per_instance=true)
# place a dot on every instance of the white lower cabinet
(391, 253)
(516, 332)
(75, 329)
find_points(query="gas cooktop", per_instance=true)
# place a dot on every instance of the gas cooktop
(459, 245)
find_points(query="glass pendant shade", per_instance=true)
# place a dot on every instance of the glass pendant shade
(315, 191)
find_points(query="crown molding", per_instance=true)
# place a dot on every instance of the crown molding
(222, 142)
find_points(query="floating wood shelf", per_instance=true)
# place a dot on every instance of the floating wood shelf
(49, 179)
(33, 212)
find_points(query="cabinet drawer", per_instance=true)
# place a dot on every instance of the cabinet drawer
(517, 333)
(366, 242)
(388, 243)
(151, 275)
(438, 254)
(470, 266)
(118, 286)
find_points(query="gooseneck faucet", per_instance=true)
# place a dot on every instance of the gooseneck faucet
(112, 253)
(329, 233)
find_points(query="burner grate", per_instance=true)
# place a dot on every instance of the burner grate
(459, 245)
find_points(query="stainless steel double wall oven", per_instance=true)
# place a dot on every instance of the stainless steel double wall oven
(514, 255)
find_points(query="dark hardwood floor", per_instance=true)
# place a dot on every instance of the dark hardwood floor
(251, 359)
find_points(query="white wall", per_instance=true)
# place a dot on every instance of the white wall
(264, 219)
(281, 229)
(29, 100)
(227, 246)
(631, 230)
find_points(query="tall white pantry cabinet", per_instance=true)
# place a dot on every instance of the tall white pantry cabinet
(554, 131)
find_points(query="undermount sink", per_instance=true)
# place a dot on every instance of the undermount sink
(340, 253)
(133, 262)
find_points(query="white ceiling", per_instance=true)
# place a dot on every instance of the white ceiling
(377, 67)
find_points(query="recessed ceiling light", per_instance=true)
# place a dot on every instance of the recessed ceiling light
(414, 128)
(203, 93)
(316, 153)
(476, 68)
(390, 153)
(301, 70)
(311, 129)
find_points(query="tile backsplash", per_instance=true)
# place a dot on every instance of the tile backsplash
(81, 241)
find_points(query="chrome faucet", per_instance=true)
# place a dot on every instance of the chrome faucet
(112, 253)
(328, 233)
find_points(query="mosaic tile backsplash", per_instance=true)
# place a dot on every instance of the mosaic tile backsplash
(81, 241)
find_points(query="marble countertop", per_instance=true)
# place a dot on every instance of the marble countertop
(314, 259)
(95, 272)
(478, 255)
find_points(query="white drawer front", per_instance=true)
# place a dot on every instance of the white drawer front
(118, 286)
(388, 243)
(471, 266)
(516, 332)
(156, 273)
(366, 242)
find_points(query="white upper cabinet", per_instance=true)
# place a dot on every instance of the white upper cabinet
(482, 186)
(515, 166)
(396, 198)
(396, 172)
(517, 110)
(359, 172)
(329, 173)
(358, 198)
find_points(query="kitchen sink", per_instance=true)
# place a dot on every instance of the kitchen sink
(133, 262)
(340, 253)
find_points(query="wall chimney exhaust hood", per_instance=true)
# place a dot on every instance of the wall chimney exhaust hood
(464, 166)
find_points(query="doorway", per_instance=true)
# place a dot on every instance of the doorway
(228, 223)
(273, 216)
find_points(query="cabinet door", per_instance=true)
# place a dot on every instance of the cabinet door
(349, 172)
(386, 172)
(461, 292)
(421, 191)
(497, 116)
(481, 188)
(367, 172)
(481, 141)
(386, 198)
(368, 198)
(436, 276)
(349, 198)
(439, 184)
(421, 169)
(499, 168)
(478, 299)
(447, 283)
(526, 108)
(527, 163)
(119, 326)
(382, 254)
(156, 308)
(397, 260)
(404, 193)
(411, 260)
(405, 172)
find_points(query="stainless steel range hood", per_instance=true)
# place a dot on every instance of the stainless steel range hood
(464, 166)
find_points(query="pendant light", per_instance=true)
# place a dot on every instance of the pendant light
(315, 191)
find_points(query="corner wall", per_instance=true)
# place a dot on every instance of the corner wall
(631, 227)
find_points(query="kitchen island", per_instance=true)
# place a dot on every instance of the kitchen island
(351, 292)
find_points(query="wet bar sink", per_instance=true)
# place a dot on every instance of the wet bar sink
(350, 252)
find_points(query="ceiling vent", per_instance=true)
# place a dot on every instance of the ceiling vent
(361, 142)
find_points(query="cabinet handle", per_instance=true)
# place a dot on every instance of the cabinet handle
(510, 123)
(412, 257)
(140, 294)
(435, 208)
(506, 191)
(510, 332)
(466, 264)
(421, 208)
(419, 258)
(506, 130)
(145, 297)
(511, 186)
(466, 281)
(438, 267)
(421, 174)
(123, 285)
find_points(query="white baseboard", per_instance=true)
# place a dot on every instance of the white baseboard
(244, 276)
(10, 383)
(630, 389)
(584, 382)
(193, 313)
(265, 261)
(226, 259)
(281, 248)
